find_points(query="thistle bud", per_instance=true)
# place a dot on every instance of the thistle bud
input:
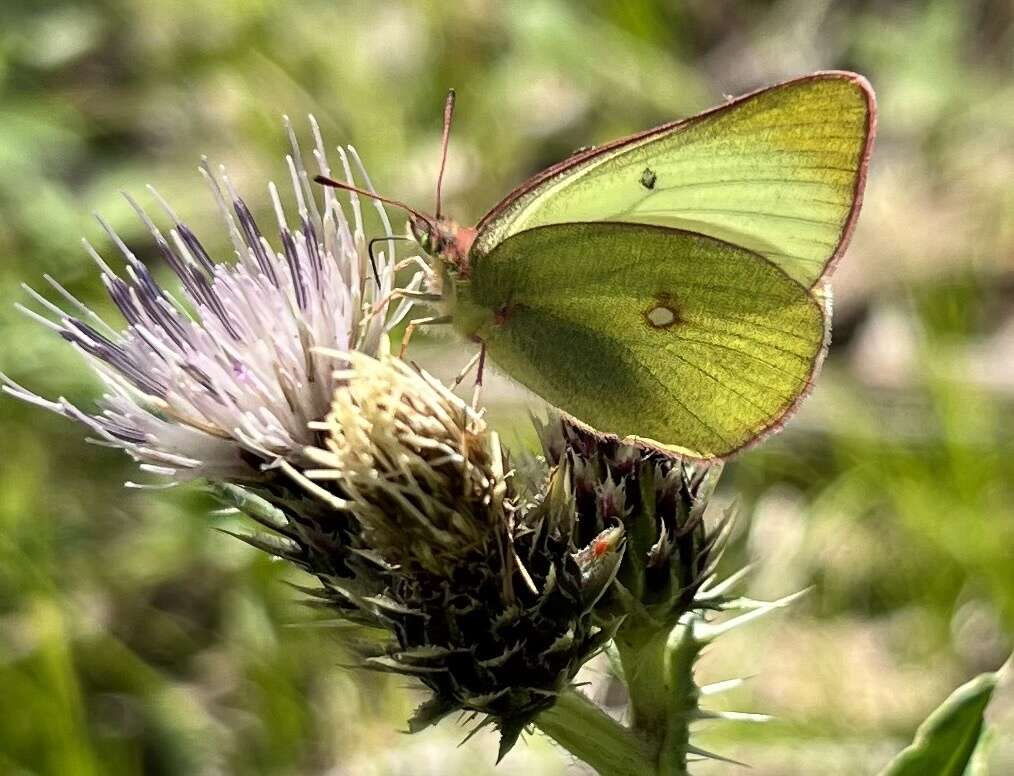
(657, 501)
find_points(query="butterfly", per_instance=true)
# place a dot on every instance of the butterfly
(669, 288)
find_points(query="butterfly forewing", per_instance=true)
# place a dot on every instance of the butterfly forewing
(689, 342)
(779, 172)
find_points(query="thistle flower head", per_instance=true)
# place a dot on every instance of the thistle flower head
(414, 462)
(226, 374)
(489, 601)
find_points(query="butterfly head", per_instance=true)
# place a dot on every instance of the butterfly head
(443, 239)
(439, 237)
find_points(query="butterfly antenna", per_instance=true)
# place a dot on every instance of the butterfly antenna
(373, 259)
(448, 115)
(325, 181)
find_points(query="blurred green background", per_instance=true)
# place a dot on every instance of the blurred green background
(135, 639)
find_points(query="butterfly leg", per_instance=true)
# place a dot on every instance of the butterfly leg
(466, 369)
(479, 374)
(433, 320)
(401, 293)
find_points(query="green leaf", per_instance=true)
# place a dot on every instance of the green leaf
(945, 743)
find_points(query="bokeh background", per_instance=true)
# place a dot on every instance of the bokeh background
(136, 639)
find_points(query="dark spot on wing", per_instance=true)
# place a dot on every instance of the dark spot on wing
(648, 178)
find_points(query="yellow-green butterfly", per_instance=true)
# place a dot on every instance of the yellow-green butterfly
(668, 287)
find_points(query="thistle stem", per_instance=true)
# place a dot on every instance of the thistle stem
(642, 655)
(658, 668)
(588, 733)
(681, 655)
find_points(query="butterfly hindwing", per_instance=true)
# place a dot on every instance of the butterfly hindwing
(779, 172)
(659, 333)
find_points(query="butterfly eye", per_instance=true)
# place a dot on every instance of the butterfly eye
(422, 233)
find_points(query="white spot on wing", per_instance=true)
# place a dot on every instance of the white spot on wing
(661, 316)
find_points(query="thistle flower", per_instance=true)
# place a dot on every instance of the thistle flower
(227, 377)
(261, 379)
(271, 379)
(490, 602)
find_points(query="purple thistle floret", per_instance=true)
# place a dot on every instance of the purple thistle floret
(224, 381)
